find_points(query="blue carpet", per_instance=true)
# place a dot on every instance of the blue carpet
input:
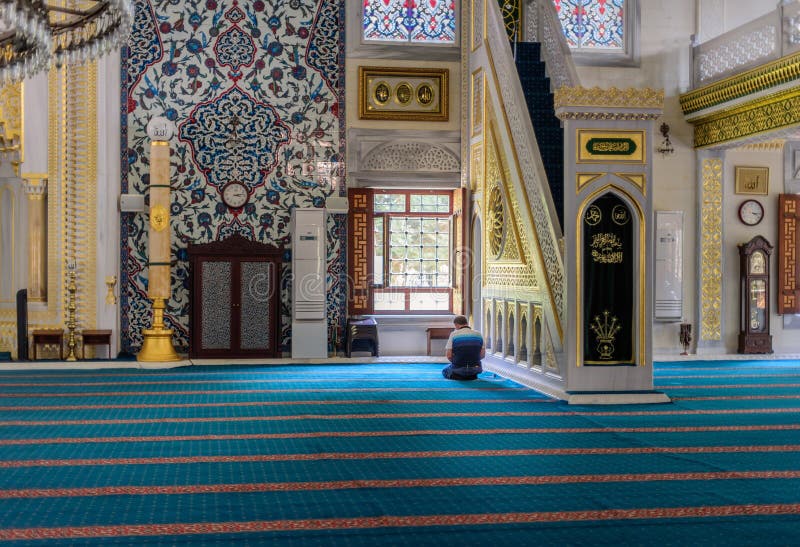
(383, 454)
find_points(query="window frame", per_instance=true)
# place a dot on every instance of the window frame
(399, 50)
(382, 286)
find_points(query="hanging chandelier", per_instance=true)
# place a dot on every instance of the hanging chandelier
(37, 34)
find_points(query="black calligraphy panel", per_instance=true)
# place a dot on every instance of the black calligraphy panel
(608, 283)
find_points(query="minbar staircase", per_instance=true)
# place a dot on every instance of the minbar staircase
(548, 130)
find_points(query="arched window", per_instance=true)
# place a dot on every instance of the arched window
(416, 22)
(600, 31)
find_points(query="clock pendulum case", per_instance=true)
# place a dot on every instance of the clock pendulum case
(754, 336)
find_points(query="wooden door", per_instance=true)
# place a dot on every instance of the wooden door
(235, 299)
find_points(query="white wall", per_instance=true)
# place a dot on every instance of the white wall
(715, 17)
(735, 232)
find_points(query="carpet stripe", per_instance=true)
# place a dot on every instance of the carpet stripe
(317, 456)
(6, 395)
(724, 386)
(263, 380)
(388, 483)
(379, 379)
(398, 415)
(278, 403)
(393, 521)
(394, 433)
(736, 397)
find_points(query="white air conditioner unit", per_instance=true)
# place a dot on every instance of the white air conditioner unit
(309, 314)
(669, 266)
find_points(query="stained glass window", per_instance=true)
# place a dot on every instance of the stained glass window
(593, 24)
(416, 21)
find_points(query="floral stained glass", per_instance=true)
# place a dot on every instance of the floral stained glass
(420, 21)
(593, 24)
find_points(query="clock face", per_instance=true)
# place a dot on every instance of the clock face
(235, 195)
(751, 212)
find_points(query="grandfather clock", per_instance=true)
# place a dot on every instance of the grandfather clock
(754, 336)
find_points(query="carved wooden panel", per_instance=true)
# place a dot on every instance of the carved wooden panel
(788, 301)
(359, 252)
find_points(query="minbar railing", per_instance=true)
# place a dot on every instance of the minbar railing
(768, 38)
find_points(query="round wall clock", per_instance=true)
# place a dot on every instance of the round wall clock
(751, 212)
(234, 194)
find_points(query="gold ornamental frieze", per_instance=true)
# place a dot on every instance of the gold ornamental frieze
(613, 97)
(757, 80)
(777, 111)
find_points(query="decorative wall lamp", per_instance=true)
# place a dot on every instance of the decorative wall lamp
(665, 148)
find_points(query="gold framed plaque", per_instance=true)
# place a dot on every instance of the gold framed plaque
(752, 180)
(403, 93)
(621, 146)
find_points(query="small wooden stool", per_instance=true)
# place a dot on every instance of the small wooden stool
(437, 333)
(48, 336)
(101, 337)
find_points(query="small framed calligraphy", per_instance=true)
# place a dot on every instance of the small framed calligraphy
(401, 93)
(752, 180)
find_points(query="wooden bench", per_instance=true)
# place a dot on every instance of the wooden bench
(47, 337)
(100, 337)
(437, 333)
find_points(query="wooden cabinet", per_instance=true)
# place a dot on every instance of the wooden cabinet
(235, 299)
(754, 336)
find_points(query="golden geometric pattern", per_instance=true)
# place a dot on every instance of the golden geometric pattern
(787, 258)
(499, 272)
(632, 98)
(784, 70)
(495, 221)
(711, 250)
(776, 111)
(11, 110)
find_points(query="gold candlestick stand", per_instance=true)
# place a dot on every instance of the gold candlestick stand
(71, 289)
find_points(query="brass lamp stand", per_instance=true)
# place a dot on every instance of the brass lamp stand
(71, 289)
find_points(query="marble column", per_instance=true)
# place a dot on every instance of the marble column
(157, 345)
(36, 190)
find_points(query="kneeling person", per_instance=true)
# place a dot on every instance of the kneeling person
(464, 351)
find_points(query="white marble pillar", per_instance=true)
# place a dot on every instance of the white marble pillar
(36, 191)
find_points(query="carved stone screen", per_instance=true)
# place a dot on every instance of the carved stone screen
(255, 297)
(216, 305)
